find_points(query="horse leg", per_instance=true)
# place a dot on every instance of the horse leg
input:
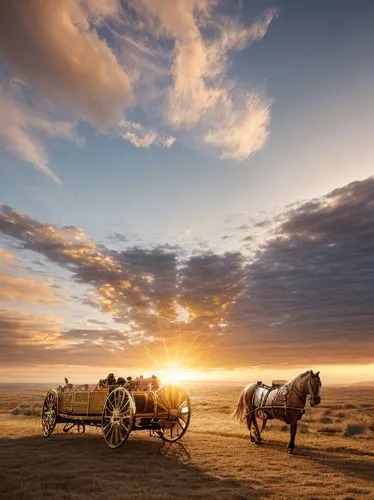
(258, 433)
(263, 427)
(249, 425)
(291, 444)
(264, 422)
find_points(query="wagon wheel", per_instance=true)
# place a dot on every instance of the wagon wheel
(177, 402)
(118, 417)
(49, 412)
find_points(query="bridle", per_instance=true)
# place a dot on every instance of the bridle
(310, 390)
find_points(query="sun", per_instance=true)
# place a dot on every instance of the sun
(173, 375)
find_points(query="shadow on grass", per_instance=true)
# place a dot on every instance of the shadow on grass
(341, 459)
(83, 467)
(349, 466)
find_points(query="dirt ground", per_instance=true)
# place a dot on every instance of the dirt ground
(334, 455)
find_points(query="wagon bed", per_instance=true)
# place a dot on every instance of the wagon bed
(118, 411)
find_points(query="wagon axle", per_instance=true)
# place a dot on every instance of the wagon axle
(81, 428)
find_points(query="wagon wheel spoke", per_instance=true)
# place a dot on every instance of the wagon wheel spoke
(111, 407)
(107, 425)
(180, 425)
(125, 427)
(124, 406)
(176, 402)
(118, 417)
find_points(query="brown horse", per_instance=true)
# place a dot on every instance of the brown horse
(285, 402)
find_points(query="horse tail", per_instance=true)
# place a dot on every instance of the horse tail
(239, 412)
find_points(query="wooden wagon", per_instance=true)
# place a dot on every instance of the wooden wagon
(165, 412)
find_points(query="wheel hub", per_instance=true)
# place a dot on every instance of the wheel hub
(116, 417)
(173, 414)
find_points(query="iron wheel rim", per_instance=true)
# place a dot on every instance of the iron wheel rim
(118, 417)
(49, 412)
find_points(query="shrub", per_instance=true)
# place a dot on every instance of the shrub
(15, 411)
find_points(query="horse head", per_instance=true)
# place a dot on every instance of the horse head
(314, 388)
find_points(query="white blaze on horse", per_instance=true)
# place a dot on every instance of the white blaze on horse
(286, 402)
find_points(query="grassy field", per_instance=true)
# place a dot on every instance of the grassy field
(334, 455)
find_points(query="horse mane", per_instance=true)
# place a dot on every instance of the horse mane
(299, 377)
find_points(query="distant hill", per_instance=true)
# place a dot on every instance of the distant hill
(27, 385)
(367, 383)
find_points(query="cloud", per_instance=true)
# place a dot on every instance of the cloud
(31, 340)
(23, 333)
(245, 130)
(6, 257)
(92, 60)
(142, 137)
(310, 289)
(14, 288)
(56, 48)
(21, 128)
(235, 123)
(147, 291)
(305, 297)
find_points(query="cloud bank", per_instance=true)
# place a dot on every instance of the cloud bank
(304, 298)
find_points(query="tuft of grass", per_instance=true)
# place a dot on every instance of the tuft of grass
(326, 429)
(327, 412)
(303, 428)
(27, 411)
(355, 429)
(325, 420)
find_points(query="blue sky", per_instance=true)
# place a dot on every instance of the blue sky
(175, 124)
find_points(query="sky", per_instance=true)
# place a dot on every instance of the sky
(186, 184)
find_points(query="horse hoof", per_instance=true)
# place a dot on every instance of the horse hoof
(289, 451)
(252, 439)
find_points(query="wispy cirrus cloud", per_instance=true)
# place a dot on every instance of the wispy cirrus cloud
(141, 137)
(200, 97)
(23, 129)
(55, 52)
(101, 61)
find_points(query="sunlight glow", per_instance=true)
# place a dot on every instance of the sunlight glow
(173, 375)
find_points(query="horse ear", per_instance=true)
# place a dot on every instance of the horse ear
(311, 372)
(317, 374)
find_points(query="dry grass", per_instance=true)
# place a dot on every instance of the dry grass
(333, 460)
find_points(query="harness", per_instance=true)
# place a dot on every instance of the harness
(278, 401)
